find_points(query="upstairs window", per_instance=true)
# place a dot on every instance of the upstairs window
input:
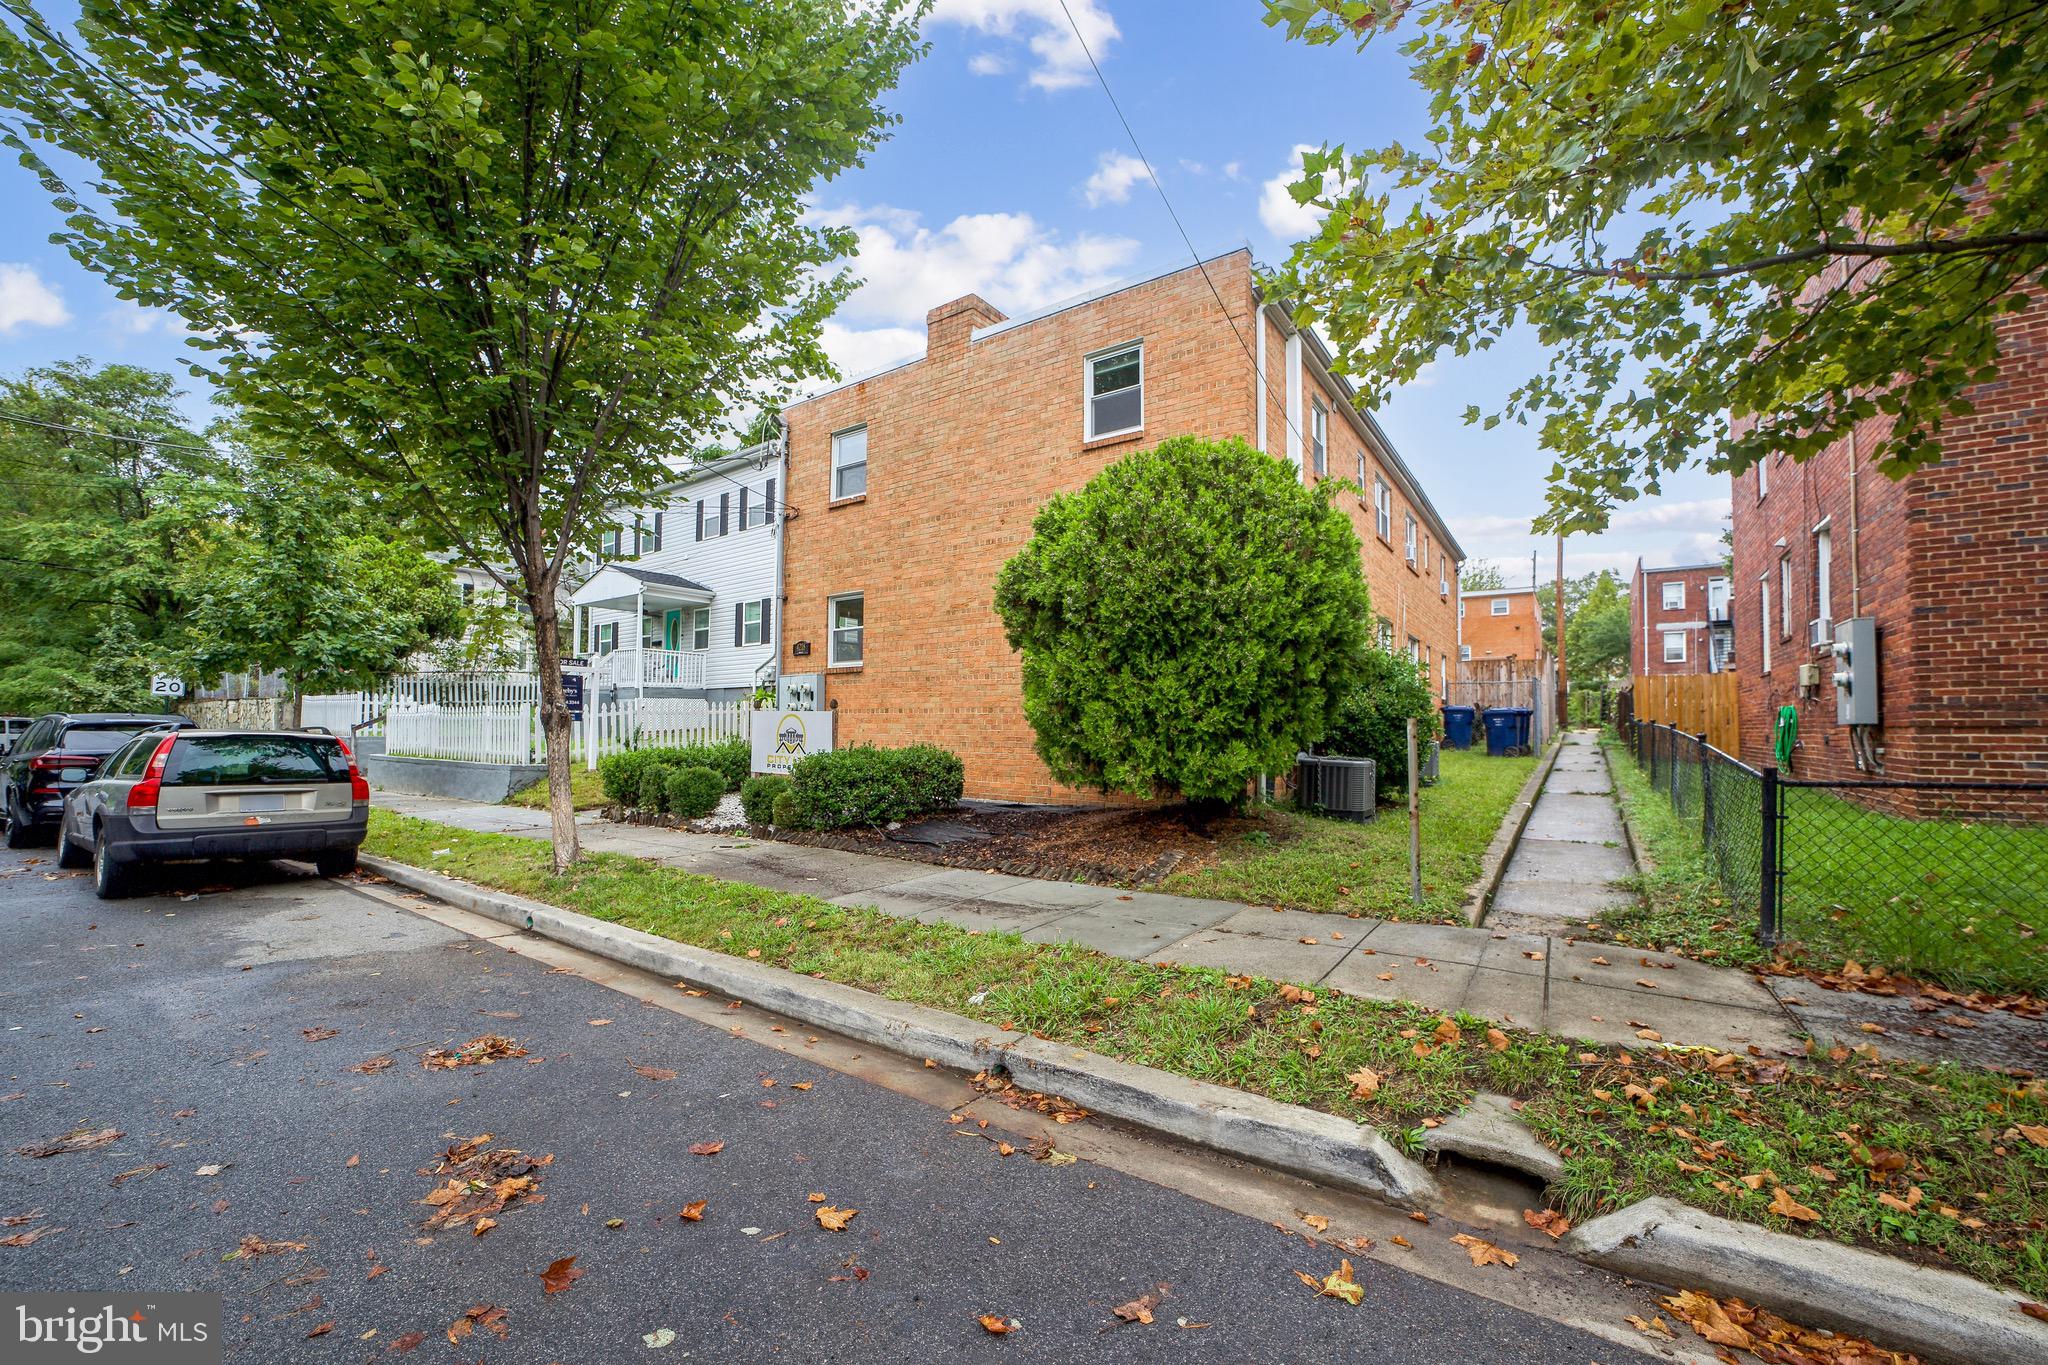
(1408, 538)
(1674, 596)
(1383, 510)
(1116, 392)
(1319, 436)
(608, 542)
(850, 463)
(1501, 606)
(755, 511)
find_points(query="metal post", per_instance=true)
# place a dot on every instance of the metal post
(1768, 890)
(1414, 822)
(1706, 800)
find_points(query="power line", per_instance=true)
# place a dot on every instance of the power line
(1187, 241)
(159, 442)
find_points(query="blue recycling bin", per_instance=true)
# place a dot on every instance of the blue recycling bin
(1507, 730)
(1458, 725)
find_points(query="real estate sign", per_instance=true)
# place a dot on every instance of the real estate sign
(782, 737)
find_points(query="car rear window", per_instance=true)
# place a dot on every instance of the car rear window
(233, 760)
(96, 739)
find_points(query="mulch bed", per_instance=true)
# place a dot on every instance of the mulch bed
(1105, 847)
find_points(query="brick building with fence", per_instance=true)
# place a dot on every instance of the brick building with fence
(910, 489)
(1681, 620)
(1950, 563)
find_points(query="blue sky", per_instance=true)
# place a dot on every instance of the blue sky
(1009, 176)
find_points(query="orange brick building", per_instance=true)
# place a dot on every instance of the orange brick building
(910, 489)
(1501, 624)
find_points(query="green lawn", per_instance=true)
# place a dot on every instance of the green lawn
(1961, 902)
(584, 790)
(1684, 908)
(1724, 1115)
(1308, 862)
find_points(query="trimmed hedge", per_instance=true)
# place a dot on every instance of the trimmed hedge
(653, 787)
(783, 809)
(757, 797)
(624, 776)
(868, 786)
(693, 792)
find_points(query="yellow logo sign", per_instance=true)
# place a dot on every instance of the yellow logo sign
(789, 734)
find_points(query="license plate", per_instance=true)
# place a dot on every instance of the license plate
(261, 803)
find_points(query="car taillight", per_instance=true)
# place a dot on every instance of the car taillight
(143, 795)
(48, 766)
(358, 785)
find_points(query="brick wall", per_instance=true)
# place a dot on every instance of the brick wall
(1952, 561)
(964, 446)
(1649, 619)
(1517, 635)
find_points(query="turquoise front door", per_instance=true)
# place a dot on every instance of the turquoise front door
(671, 622)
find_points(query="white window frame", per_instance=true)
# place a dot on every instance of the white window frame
(1763, 478)
(757, 509)
(1443, 577)
(700, 629)
(1500, 606)
(1669, 591)
(1408, 537)
(1464, 654)
(1785, 594)
(1088, 394)
(1318, 436)
(1679, 636)
(605, 640)
(750, 623)
(840, 466)
(1823, 570)
(1763, 616)
(1383, 509)
(832, 659)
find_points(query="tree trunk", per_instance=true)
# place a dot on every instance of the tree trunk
(555, 723)
(294, 705)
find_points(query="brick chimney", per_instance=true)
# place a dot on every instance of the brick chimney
(948, 327)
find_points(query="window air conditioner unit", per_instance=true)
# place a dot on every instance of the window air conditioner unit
(1819, 631)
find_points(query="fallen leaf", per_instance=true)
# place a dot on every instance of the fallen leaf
(560, 1275)
(1447, 1032)
(1600, 962)
(656, 1073)
(1398, 1240)
(1496, 1040)
(2034, 1133)
(373, 1066)
(1783, 1204)
(22, 1239)
(1316, 1221)
(318, 1035)
(1655, 1327)
(1338, 1284)
(77, 1140)
(1547, 1221)
(1138, 1309)
(706, 1148)
(659, 1337)
(2033, 1310)
(831, 1219)
(1365, 1083)
(694, 1211)
(322, 1330)
(994, 1325)
(408, 1343)
(1483, 1252)
(1649, 1035)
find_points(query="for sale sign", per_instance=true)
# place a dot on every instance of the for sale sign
(783, 737)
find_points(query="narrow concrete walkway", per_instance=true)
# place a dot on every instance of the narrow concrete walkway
(1596, 992)
(1572, 852)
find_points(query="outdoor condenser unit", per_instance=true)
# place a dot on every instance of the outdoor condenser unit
(1342, 787)
(1431, 755)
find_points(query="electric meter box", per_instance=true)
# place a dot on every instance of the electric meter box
(1855, 679)
(801, 692)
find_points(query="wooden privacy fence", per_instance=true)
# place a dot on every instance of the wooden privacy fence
(1697, 703)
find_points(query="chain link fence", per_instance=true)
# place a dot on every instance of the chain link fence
(1942, 880)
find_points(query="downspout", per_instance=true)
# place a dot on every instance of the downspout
(1259, 398)
(1855, 533)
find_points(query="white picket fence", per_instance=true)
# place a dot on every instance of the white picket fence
(512, 733)
(342, 712)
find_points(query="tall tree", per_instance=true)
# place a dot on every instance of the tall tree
(497, 259)
(1596, 627)
(1481, 575)
(1802, 215)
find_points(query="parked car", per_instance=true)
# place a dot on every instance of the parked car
(55, 754)
(10, 730)
(191, 795)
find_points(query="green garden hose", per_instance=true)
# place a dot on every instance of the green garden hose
(1787, 734)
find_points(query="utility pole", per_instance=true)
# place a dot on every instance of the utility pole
(1561, 690)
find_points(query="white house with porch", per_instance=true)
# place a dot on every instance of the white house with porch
(683, 601)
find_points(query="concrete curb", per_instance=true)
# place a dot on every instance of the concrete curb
(1508, 837)
(1641, 856)
(1939, 1315)
(1285, 1137)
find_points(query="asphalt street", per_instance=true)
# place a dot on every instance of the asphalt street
(218, 1025)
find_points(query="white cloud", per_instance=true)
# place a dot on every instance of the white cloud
(988, 64)
(857, 351)
(1193, 167)
(1010, 259)
(26, 301)
(1233, 170)
(1283, 217)
(1115, 173)
(1703, 516)
(1059, 60)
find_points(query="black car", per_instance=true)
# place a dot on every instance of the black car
(185, 795)
(55, 754)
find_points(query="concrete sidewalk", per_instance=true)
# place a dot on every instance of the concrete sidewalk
(1597, 992)
(1573, 850)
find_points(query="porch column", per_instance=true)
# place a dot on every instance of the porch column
(640, 639)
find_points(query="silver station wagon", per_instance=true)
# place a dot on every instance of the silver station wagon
(194, 795)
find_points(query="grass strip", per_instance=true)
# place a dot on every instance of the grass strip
(1692, 1124)
(1309, 862)
(586, 792)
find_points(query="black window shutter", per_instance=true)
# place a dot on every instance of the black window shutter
(765, 619)
(739, 622)
(724, 513)
(743, 509)
(768, 500)
(700, 518)
(657, 530)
